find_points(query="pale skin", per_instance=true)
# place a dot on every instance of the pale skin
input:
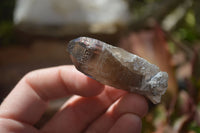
(95, 108)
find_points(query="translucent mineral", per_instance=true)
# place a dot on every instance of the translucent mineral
(118, 68)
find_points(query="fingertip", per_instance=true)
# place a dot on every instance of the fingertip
(132, 119)
(133, 103)
(142, 103)
(128, 123)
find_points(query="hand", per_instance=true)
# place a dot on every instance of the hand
(95, 108)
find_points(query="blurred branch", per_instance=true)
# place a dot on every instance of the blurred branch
(188, 51)
(157, 11)
(174, 18)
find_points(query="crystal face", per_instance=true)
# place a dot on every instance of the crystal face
(118, 68)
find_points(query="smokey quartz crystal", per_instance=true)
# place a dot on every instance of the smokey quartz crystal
(118, 68)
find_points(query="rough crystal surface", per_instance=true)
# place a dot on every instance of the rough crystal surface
(118, 68)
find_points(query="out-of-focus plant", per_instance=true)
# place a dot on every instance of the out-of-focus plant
(6, 24)
(180, 23)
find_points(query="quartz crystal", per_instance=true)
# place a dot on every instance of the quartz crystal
(118, 68)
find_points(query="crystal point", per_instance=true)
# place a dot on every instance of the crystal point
(118, 68)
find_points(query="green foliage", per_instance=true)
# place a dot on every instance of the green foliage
(172, 47)
(187, 30)
(6, 22)
(190, 19)
(6, 33)
(187, 34)
(6, 9)
(194, 127)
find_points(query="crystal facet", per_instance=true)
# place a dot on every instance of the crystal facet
(118, 68)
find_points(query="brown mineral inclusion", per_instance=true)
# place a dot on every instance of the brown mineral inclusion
(118, 68)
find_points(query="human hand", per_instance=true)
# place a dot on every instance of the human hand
(95, 108)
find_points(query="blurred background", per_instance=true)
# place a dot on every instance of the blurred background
(34, 34)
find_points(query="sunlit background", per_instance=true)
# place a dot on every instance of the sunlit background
(34, 34)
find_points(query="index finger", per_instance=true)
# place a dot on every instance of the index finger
(28, 100)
